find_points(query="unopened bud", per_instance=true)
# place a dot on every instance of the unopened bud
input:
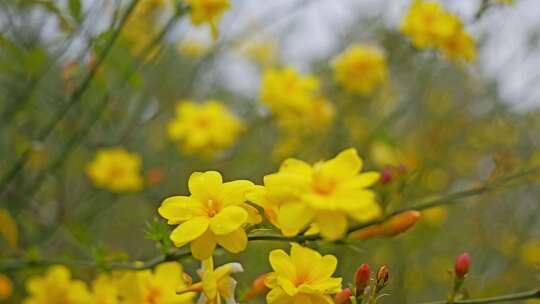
(257, 287)
(343, 297)
(387, 175)
(463, 263)
(382, 276)
(395, 225)
(361, 279)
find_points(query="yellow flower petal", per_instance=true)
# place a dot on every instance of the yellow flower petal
(333, 225)
(294, 217)
(203, 247)
(278, 296)
(228, 220)
(361, 181)
(200, 183)
(234, 193)
(293, 165)
(234, 242)
(189, 230)
(177, 209)
(282, 264)
(344, 166)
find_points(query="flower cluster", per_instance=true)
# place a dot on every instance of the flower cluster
(430, 26)
(140, 27)
(205, 128)
(116, 169)
(360, 69)
(167, 284)
(295, 99)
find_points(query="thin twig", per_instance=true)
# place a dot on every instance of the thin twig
(531, 294)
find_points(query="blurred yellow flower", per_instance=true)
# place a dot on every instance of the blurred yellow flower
(435, 216)
(56, 286)
(208, 11)
(360, 69)
(6, 287)
(530, 252)
(214, 213)
(192, 48)
(116, 169)
(105, 290)
(207, 128)
(429, 25)
(295, 100)
(326, 194)
(261, 51)
(215, 283)
(155, 287)
(460, 46)
(304, 276)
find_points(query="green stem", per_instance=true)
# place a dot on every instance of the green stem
(531, 294)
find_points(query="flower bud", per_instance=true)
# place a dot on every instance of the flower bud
(387, 175)
(361, 279)
(463, 262)
(395, 225)
(343, 297)
(257, 287)
(382, 276)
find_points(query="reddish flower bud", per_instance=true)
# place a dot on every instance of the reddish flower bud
(463, 262)
(258, 287)
(387, 175)
(382, 276)
(361, 279)
(343, 297)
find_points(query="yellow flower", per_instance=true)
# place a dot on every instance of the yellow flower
(325, 194)
(430, 26)
(207, 128)
(56, 286)
(214, 213)
(216, 283)
(460, 46)
(157, 287)
(105, 290)
(295, 99)
(6, 287)
(261, 51)
(208, 11)
(116, 169)
(193, 48)
(360, 69)
(302, 277)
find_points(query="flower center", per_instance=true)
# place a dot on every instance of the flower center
(324, 186)
(300, 279)
(152, 297)
(212, 207)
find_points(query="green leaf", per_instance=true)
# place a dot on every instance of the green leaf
(75, 9)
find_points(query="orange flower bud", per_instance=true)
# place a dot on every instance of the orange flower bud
(391, 227)
(154, 176)
(6, 287)
(257, 287)
(343, 297)
(361, 279)
(463, 262)
(387, 175)
(382, 276)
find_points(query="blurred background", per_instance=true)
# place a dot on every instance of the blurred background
(438, 126)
